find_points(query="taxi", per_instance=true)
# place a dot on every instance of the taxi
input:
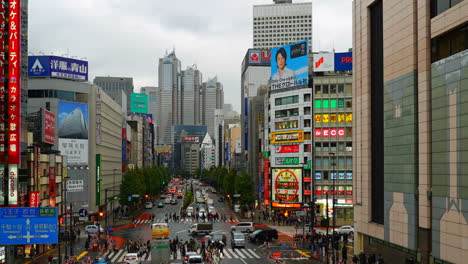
(160, 231)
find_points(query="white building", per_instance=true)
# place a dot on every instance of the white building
(281, 23)
(207, 152)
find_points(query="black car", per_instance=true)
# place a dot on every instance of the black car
(263, 235)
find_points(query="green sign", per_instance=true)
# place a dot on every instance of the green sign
(308, 166)
(47, 212)
(266, 154)
(139, 103)
(287, 161)
(98, 179)
(340, 103)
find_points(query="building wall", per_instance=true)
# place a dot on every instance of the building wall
(423, 186)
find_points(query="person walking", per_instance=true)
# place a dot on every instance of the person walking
(344, 254)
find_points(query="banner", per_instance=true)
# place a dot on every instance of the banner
(287, 149)
(290, 66)
(98, 179)
(52, 186)
(266, 184)
(34, 199)
(48, 127)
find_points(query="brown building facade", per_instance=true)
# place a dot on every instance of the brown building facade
(410, 96)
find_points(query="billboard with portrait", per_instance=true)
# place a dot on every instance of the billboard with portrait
(73, 132)
(289, 66)
(287, 185)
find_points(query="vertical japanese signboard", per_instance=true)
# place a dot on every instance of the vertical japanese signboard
(48, 127)
(52, 186)
(98, 179)
(3, 98)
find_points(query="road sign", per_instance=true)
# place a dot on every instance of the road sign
(301, 213)
(83, 212)
(236, 195)
(28, 225)
(135, 195)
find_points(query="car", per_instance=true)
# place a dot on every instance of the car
(219, 237)
(262, 235)
(187, 255)
(221, 199)
(162, 197)
(243, 227)
(132, 258)
(102, 260)
(213, 191)
(237, 240)
(349, 230)
(173, 202)
(189, 211)
(160, 205)
(195, 259)
(93, 229)
(149, 205)
(167, 200)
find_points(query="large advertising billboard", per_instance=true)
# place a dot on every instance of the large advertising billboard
(289, 66)
(73, 132)
(139, 103)
(344, 61)
(57, 67)
(287, 185)
(287, 137)
(341, 61)
(48, 127)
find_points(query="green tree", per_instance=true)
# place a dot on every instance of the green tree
(244, 186)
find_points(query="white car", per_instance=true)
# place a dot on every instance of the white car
(195, 259)
(93, 229)
(345, 230)
(132, 258)
(149, 205)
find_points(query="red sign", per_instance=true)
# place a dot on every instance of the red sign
(329, 132)
(287, 181)
(287, 149)
(3, 99)
(266, 55)
(254, 57)
(48, 127)
(52, 187)
(286, 205)
(307, 192)
(349, 192)
(319, 62)
(266, 179)
(14, 86)
(191, 139)
(307, 179)
(34, 199)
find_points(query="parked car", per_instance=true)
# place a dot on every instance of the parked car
(167, 200)
(160, 205)
(93, 229)
(237, 240)
(243, 227)
(102, 260)
(149, 205)
(132, 258)
(189, 211)
(345, 230)
(219, 237)
(262, 235)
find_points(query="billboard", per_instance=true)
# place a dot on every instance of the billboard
(287, 149)
(192, 139)
(98, 179)
(57, 67)
(330, 132)
(289, 66)
(344, 61)
(139, 103)
(73, 132)
(48, 127)
(324, 62)
(287, 161)
(287, 137)
(259, 56)
(287, 185)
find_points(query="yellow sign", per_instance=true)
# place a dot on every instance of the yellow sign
(349, 117)
(287, 137)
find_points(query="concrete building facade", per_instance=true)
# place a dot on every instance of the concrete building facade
(212, 99)
(409, 87)
(114, 86)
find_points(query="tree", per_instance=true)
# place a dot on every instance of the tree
(245, 187)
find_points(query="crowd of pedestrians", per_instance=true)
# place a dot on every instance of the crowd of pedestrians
(207, 248)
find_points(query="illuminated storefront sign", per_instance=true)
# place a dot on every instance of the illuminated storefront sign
(287, 185)
(283, 205)
(287, 160)
(287, 149)
(333, 118)
(266, 175)
(287, 137)
(287, 124)
(330, 132)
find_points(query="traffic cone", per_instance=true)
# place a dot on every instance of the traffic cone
(292, 255)
(294, 245)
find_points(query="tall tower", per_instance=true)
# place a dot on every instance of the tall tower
(212, 98)
(191, 80)
(169, 92)
(281, 23)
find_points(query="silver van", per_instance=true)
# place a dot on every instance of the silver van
(243, 227)
(237, 240)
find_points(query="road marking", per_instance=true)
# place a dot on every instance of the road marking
(305, 254)
(82, 255)
(240, 254)
(181, 231)
(253, 253)
(243, 261)
(225, 253)
(246, 253)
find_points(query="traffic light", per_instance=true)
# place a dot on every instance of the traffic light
(286, 214)
(146, 196)
(101, 214)
(228, 196)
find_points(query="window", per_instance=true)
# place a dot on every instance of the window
(318, 89)
(325, 88)
(287, 124)
(341, 146)
(325, 161)
(450, 43)
(318, 161)
(287, 112)
(340, 88)
(307, 123)
(332, 88)
(349, 161)
(318, 104)
(348, 88)
(307, 136)
(333, 146)
(341, 161)
(333, 103)
(349, 146)
(307, 148)
(307, 110)
(318, 147)
(349, 131)
(325, 146)
(349, 102)
(307, 97)
(326, 175)
(287, 100)
(439, 6)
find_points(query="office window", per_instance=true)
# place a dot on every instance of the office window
(349, 161)
(318, 104)
(307, 97)
(318, 147)
(332, 88)
(349, 102)
(340, 88)
(325, 162)
(341, 146)
(326, 175)
(349, 146)
(307, 110)
(325, 146)
(333, 146)
(439, 6)
(341, 161)
(450, 43)
(318, 89)
(318, 161)
(325, 88)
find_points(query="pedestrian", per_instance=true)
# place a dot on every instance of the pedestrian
(362, 258)
(355, 259)
(372, 259)
(344, 254)
(380, 259)
(49, 258)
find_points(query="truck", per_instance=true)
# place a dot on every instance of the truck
(200, 228)
(160, 252)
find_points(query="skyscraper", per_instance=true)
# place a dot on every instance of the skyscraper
(213, 98)
(190, 96)
(114, 86)
(168, 98)
(281, 23)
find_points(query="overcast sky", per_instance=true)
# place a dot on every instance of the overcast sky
(126, 38)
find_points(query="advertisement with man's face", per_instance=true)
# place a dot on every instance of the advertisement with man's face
(73, 132)
(289, 66)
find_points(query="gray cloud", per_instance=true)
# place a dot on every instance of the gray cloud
(126, 38)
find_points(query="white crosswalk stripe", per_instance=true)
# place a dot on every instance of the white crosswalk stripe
(141, 222)
(239, 253)
(253, 253)
(119, 256)
(183, 220)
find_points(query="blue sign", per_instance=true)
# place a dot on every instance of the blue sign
(344, 61)
(28, 225)
(290, 66)
(57, 67)
(82, 213)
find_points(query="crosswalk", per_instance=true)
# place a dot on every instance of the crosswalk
(183, 220)
(228, 253)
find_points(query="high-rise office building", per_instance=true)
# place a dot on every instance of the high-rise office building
(114, 86)
(168, 98)
(152, 93)
(190, 96)
(212, 98)
(281, 23)
(410, 121)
